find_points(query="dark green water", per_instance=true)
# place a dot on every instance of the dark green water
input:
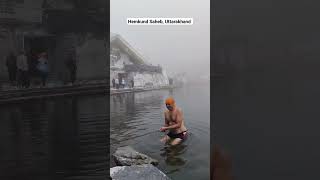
(137, 117)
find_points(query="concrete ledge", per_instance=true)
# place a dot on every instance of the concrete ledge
(138, 89)
(39, 93)
(15, 95)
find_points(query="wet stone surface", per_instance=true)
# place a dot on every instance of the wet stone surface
(127, 156)
(137, 172)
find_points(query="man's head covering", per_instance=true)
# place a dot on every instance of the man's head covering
(170, 101)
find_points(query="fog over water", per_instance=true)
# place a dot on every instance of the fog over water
(176, 48)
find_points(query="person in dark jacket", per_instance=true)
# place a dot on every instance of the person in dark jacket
(72, 67)
(11, 62)
(23, 70)
(113, 83)
(43, 67)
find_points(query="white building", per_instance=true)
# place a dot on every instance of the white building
(126, 63)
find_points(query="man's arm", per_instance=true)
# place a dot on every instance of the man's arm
(166, 122)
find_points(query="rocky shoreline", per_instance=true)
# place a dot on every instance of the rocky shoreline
(134, 165)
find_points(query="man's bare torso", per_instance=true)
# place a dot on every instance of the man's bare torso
(171, 119)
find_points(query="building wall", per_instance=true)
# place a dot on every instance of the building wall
(114, 74)
(156, 79)
(64, 45)
(59, 4)
(118, 64)
(91, 59)
(7, 44)
(29, 11)
(141, 79)
(26, 11)
(124, 59)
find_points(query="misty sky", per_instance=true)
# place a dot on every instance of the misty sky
(176, 48)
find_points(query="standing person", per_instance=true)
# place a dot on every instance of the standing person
(123, 83)
(113, 83)
(174, 123)
(11, 62)
(117, 83)
(23, 70)
(170, 81)
(32, 62)
(132, 83)
(72, 67)
(43, 67)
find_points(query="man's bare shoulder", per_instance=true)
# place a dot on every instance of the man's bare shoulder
(179, 110)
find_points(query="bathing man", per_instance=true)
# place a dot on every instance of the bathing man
(174, 123)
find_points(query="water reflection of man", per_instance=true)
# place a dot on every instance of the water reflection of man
(172, 155)
(174, 122)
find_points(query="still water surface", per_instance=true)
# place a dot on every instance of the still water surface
(61, 138)
(137, 117)
(66, 138)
